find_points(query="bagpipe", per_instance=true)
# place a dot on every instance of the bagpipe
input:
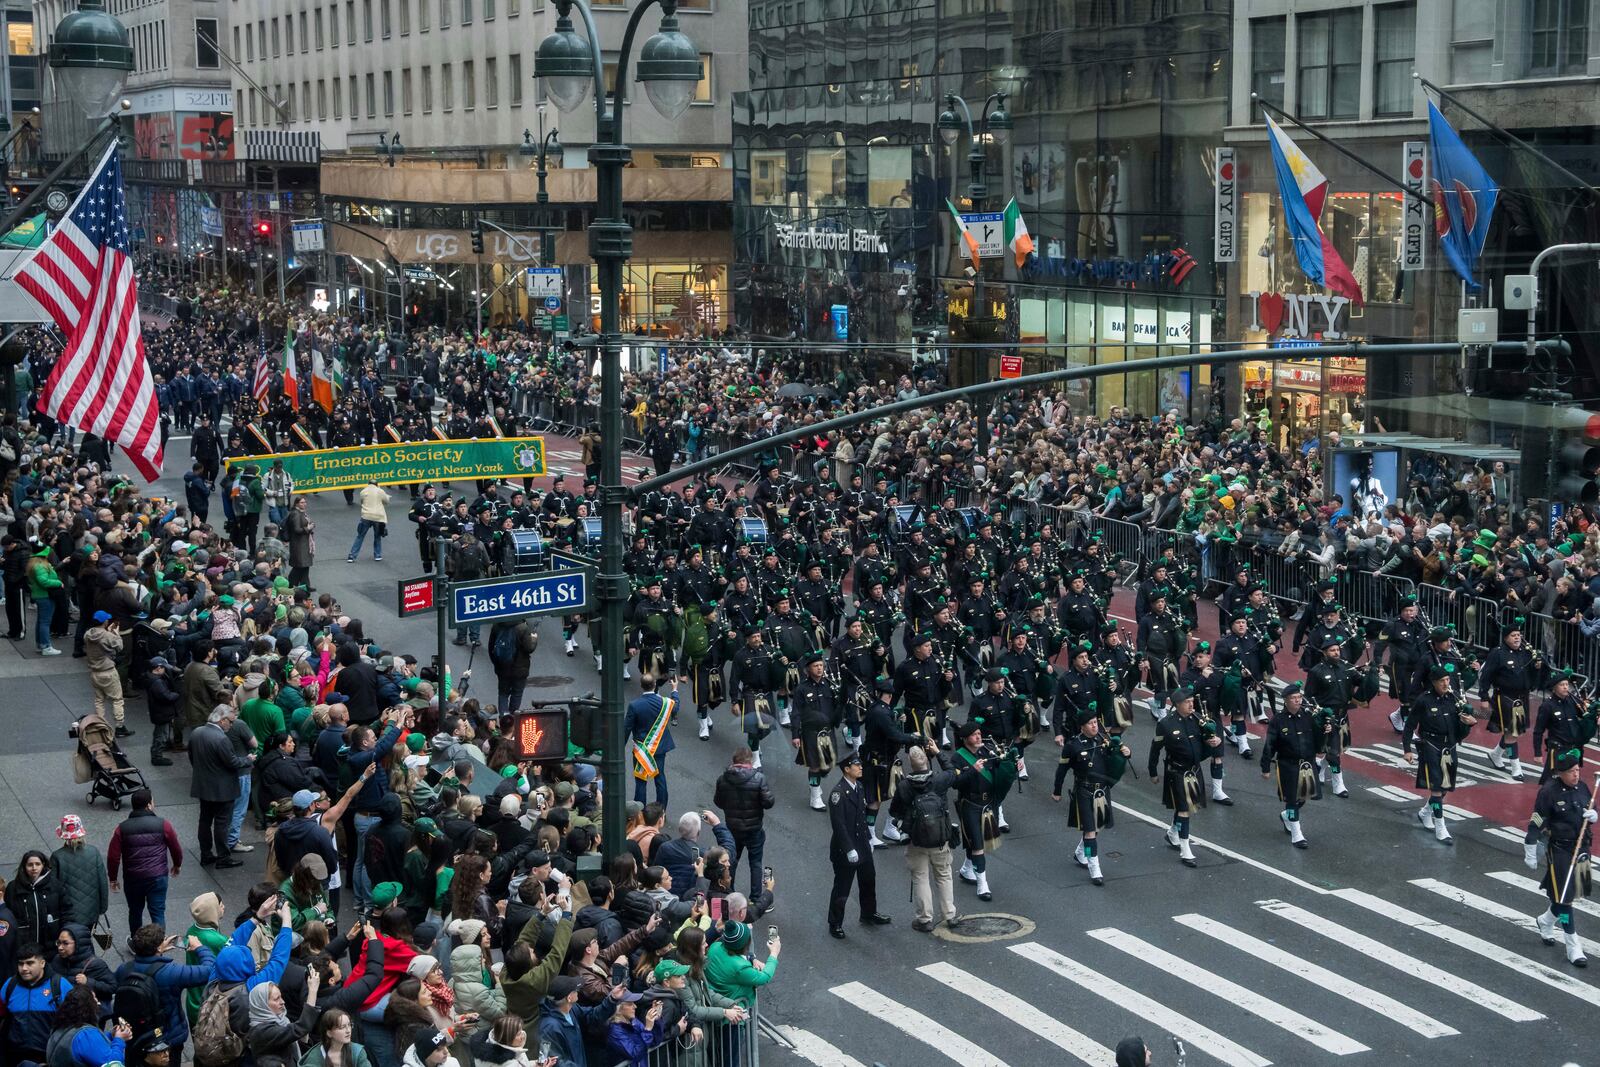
(1108, 696)
(1002, 767)
(1028, 720)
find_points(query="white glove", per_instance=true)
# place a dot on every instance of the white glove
(1530, 856)
(853, 857)
(1591, 815)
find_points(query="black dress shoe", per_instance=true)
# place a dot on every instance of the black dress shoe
(123, 731)
(228, 861)
(207, 861)
(877, 918)
(1226, 802)
(160, 761)
(837, 932)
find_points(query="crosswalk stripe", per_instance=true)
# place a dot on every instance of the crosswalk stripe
(1472, 943)
(1427, 972)
(1588, 907)
(1319, 976)
(811, 1047)
(1020, 1011)
(1505, 832)
(1395, 793)
(1474, 901)
(1159, 1015)
(1307, 1029)
(1480, 767)
(1237, 857)
(915, 1024)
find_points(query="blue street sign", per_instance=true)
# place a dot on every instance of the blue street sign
(564, 592)
(552, 303)
(570, 561)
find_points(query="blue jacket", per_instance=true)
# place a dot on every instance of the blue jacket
(374, 788)
(235, 964)
(92, 1047)
(642, 713)
(565, 1033)
(678, 856)
(172, 979)
(32, 1010)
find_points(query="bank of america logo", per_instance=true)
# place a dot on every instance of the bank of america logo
(1179, 264)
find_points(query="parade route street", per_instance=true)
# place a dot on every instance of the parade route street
(1377, 945)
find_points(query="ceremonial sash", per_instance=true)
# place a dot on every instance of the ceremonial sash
(644, 753)
(440, 435)
(394, 435)
(495, 426)
(972, 761)
(304, 438)
(255, 432)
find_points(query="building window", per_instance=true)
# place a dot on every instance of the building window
(316, 21)
(444, 14)
(388, 94)
(372, 96)
(405, 90)
(350, 23)
(1471, 40)
(288, 114)
(338, 99)
(1268, 42)
(366, 20)
(702, 88)
(513, 8)
(491, 83)
(322, 98)
(427, 90)
(1330, 64)
(386, 18)
(288, 35)
(1558, 32)
(305, 38)
(1396, 32)
(355, 99)
(250, 43)
(206, 56)
(769, 177)
(447, 86)
(276, 51)
(405, 18)
(423, 19)
(466, 12)
(469, 86)
(825, 177)
(237, 51)
(488, 10)
(609, 68)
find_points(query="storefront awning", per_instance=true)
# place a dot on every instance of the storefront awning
(1442, 445)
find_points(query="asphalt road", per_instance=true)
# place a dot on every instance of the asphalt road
(1376, 945)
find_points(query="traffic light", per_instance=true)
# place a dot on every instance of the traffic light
(263, 232)
(1576, 466)
(477, 240)
(586, 727)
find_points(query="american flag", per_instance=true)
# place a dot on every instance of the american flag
(82, 276)
(262, 386)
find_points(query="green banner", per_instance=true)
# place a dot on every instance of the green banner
(402, 464)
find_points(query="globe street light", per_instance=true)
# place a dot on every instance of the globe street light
(669, 69)
(91, 56)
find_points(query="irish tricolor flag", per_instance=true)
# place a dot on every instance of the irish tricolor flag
(291, 373)
(321, 383)
(966, 234)
(1016, 233)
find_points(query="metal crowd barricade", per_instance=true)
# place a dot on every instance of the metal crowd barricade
(1125, 539)
(1371, 596)
(1561, 642)
(722, 1045)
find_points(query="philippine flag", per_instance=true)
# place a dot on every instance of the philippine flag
(1303, 189)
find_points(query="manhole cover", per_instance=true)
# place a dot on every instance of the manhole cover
(987, 926)
(548, 681)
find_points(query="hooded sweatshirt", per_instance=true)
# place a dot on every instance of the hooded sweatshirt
(206, 910)
(83, 961)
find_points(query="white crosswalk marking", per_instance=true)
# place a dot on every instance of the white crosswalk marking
(915, 1024)
(1504, 832)
(1588, 907)
(1394, 792)
(1427, 972)
(1202, 1037)
(811, 1047)
(1284, 1018)
(1473, 900)
(1021, 1012)
(1474, 944)
(1319, 976)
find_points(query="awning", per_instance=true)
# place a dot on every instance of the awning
(1442, 445)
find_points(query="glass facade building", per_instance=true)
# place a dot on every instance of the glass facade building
(841, 181)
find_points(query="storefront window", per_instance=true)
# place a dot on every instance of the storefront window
(825, 177)
(769, 177)
(1112, 336)
(671, 299)
(888, 176)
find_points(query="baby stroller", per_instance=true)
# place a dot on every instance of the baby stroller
(100, 760)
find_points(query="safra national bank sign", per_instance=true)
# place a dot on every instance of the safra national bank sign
(829, 239)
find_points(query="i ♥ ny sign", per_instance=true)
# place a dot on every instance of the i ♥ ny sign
(1299, 314)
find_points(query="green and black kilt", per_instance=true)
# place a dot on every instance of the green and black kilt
(1183, 790)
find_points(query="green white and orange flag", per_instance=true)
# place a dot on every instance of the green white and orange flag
(321, 383)
(1016, 233)
(966, 234)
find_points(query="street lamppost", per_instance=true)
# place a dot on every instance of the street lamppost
(997, 125)
(548, 144)
(669, 69)
(390, 147)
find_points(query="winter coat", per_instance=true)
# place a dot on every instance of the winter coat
(30, 1011)
(38, 907)
(523, 994)
(282, 1038)
(162, 697)
(354, 1056)
(634, 909)
(565, 1034)
(466, 979)
(143, 846)
(202, 690)
(735, 977)
(744, 797)
(97, 975)
(173, 979)
(607, 927)
(297, 525)
(596, 977)
(85, 885)
(678, 856)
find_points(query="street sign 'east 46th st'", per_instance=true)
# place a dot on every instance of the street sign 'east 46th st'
(563, 593)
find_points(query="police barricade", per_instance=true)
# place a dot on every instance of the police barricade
(1118, 537)
(1372, 597)
(1560, 642)
(1439, 606)
(721, 1044)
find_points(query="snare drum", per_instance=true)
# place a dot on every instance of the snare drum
(900, 522)
(970, 517)
(527, 548)
(753, 530)
(589, 536)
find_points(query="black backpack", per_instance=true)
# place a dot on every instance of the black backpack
(138, 999)
(503, 649)
(928, 826)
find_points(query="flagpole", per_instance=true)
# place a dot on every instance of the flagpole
(1343, 151)
(1504, 133)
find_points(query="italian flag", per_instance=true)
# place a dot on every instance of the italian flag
(1016, 233)
(966, 234)
(291, 374)
(321, 384)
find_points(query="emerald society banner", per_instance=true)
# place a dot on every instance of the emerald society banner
(413, 461)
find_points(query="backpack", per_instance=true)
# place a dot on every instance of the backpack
(928, 826)
(58, 1049)
(138, 999)
(503, 649)
(215, 1043)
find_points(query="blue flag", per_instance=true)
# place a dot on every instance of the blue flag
(1463, 197)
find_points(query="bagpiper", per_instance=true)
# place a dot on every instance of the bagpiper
(1331, 689)
(815, 713)
(1563, 723)
(1097, 762)
(985, 778)
(1563, 819)
(1510, 673)
(1293, 742)
(1440, 719)
(882, 738)
(1205, 682)
(1186, 743)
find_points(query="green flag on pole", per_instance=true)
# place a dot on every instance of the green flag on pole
(29, 233)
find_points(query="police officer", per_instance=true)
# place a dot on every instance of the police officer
(1562, 724)
(753, 682)
(1563, 817)
(816, 714)
(1186, 744)
(1097, 762)
(850, 850)
(1439, 719)
(1330, 687)
(1205, 682)
(1508, 675)
(922, 684)
(1294, 740)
